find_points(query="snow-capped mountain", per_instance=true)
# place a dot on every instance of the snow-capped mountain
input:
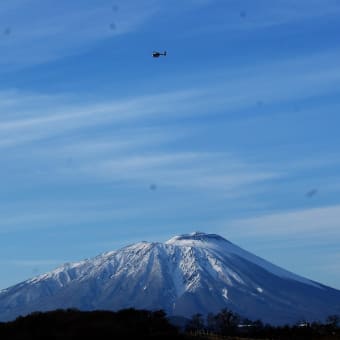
(195, 273)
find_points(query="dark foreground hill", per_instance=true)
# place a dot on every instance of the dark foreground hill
(73, 324)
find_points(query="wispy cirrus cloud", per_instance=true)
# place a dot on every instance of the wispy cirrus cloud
(182, 170)
(122, 150)
(33, 218)
(127, 138)
(26, 117)
(306, 223)
(29, 118)
(59, 139)
(40, 31)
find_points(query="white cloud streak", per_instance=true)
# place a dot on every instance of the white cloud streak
(127, 149)
(308, 223)
(63, 216)
(26, 117)
(43, 30)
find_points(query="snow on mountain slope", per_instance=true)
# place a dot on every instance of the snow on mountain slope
(220, 244)
(185, 275)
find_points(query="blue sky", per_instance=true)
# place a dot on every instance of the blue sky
(102, 146)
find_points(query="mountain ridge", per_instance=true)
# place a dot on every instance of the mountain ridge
(190, 273)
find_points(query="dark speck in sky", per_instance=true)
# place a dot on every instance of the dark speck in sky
(7, 31)
(311, 193)
(113, 26)
(153, 187)
(243, 14)
(115, 8)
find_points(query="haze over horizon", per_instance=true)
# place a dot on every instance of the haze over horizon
(234, 132)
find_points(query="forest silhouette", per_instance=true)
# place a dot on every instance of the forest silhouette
(144, 324)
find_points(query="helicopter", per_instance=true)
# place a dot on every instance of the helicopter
(157, 54)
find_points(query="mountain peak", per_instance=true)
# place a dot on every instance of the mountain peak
(192, 238)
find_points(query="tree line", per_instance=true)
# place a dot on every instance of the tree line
(228, 323)
(144, 324)
(75, 324)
